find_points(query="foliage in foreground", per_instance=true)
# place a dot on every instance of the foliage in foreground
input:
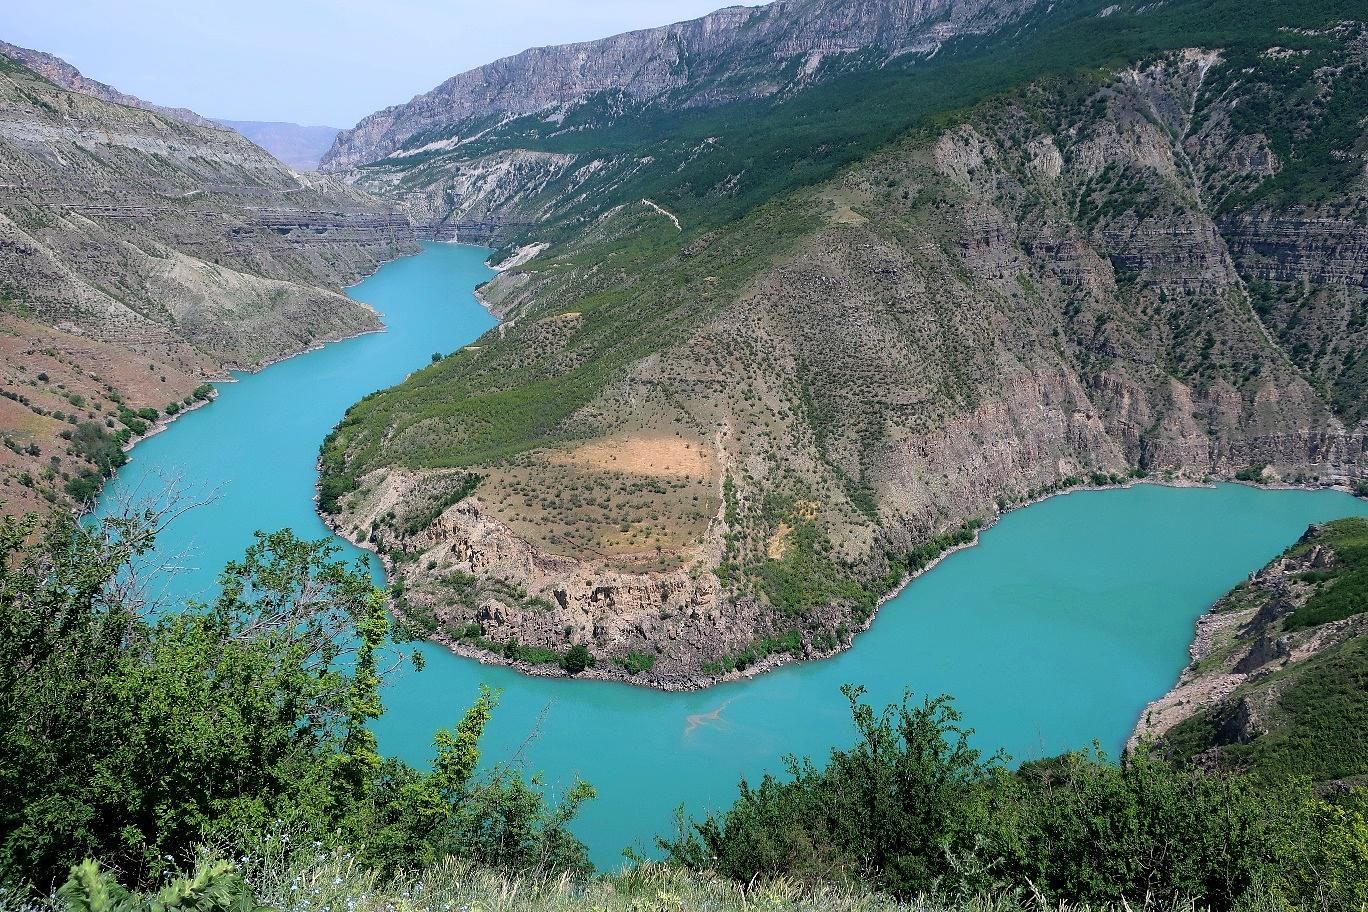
(332, 883)
(913, 808)
(242, 725)
(133, 739)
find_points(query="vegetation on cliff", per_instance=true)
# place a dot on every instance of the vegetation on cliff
(1292, 646)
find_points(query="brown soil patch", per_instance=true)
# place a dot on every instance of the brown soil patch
(51, 372)
(779, 542)
(656, 456)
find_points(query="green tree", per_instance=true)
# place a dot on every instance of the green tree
(577, 658)
(912, 808)
(129, 738)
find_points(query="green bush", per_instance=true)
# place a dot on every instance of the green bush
(912, 807)
(637, 662)
(577, 658)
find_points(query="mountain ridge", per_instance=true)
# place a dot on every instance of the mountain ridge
(695, 60)
(62, 73)
(142, 255)
(297, 145)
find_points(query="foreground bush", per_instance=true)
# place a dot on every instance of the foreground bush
(133, 738)
(912, 809)
(137, 739)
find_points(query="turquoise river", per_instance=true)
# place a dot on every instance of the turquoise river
(1056, 630)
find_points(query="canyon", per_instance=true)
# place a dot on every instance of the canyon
(1081, 280)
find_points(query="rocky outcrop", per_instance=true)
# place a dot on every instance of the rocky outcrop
(733, 53)
(1256, 657)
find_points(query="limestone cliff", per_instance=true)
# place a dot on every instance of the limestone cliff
(737, 52)
(59, 72)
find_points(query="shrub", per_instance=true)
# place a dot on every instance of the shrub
(577, 658)
(215, 721)
(637, 662)
(913, 807)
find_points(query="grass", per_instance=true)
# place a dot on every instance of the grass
(335, 883)
(1342, 590)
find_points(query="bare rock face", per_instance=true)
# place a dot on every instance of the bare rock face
(116, 218)
(733, 53)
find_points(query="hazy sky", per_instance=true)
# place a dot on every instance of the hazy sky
(309, 61)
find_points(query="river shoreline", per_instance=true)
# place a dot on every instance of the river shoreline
(163, 422)
(688, 681)
(700, 681)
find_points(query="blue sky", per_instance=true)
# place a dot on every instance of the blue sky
(308, 61)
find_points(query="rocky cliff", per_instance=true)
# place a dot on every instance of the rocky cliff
(738, 52)
(141, 254)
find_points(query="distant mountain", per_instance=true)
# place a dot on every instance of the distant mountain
(297, 146)
(732, 54)
(60, 73)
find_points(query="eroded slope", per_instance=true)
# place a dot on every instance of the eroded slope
(141, 255)
(1051, 288)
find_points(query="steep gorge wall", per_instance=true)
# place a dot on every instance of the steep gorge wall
(142, 254)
